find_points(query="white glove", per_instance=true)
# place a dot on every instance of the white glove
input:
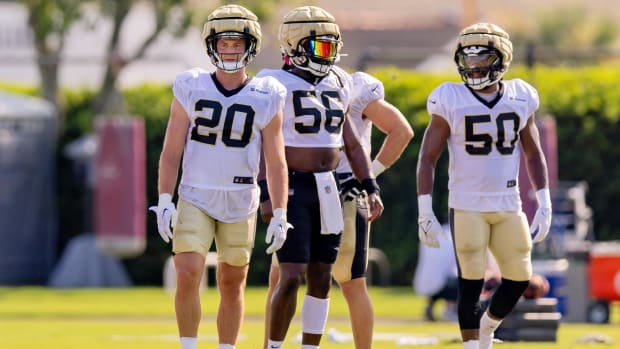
(166, 216)
(277, 230)
(428, 226)
(542, 219)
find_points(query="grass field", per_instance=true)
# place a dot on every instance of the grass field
(137, 318)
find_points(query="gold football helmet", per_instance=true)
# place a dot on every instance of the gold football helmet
(232, 21)
(483, 54)
(311, 39)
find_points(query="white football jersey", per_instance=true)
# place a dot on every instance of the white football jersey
(364, 90)
(313, 114)
(224, 137)
(484, 143)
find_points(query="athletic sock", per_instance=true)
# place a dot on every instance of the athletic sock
(308, 346)
(471, 344)
(188, 342)
(487, 328)
(226, 346)
(274, 344)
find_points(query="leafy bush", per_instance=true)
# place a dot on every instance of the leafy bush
(585, 102)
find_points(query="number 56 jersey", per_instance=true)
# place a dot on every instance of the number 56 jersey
(313, 113)
(484, 143)
(224, 140)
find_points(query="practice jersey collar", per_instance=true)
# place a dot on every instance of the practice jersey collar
(490, 104)
(304, 75)
(228, 93)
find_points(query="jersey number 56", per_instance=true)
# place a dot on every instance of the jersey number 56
(333, 117)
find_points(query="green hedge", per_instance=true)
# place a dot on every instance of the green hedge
(585, 102)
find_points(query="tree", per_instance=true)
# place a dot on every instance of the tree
(170, 15)
(50, 21)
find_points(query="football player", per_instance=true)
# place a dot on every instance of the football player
(315, 130)
(367, 107)
(487, 122)
(219, 123)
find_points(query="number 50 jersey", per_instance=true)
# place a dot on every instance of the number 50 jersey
(313, 114)
(484, 143)
(223, 144)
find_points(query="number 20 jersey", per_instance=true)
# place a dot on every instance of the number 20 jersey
(224, 137)
(484, 143)
(313, 114)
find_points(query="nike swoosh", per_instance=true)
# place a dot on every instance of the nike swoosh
(432, 101)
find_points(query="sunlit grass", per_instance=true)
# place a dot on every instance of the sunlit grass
(144, 318)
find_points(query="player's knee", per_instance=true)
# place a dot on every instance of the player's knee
(469, 303)
(506, 296)
(290, 280)
(341, 270)
(238, 256)
(314, 315)
(519, 271)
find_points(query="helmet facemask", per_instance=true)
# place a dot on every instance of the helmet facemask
(479, 66)
(316, 54)
(219, 59)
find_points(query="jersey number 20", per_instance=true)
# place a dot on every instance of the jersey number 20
(235, 110)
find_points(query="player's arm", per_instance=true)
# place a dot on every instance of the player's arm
(537, 171)
(276, 172)
(360, 164)
(274, 164)
(398, 133)
(172, 151)
(265, 203)
(169, 160)
(534, 157)
(433, 142)
(435, 137)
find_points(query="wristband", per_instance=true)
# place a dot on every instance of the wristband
(377, 167)
(264, 191)
(279, 214)
(425, 204)
(164, 198)
(370, 186)
(543, 197)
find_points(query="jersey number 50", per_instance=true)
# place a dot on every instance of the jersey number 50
(333, 117)
(487, 139)
(233, 111)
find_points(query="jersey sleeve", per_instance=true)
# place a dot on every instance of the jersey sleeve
(279, 95)
(533, 98)
(346, 81)
(181, 88)
(365, 90)
(438, 101)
